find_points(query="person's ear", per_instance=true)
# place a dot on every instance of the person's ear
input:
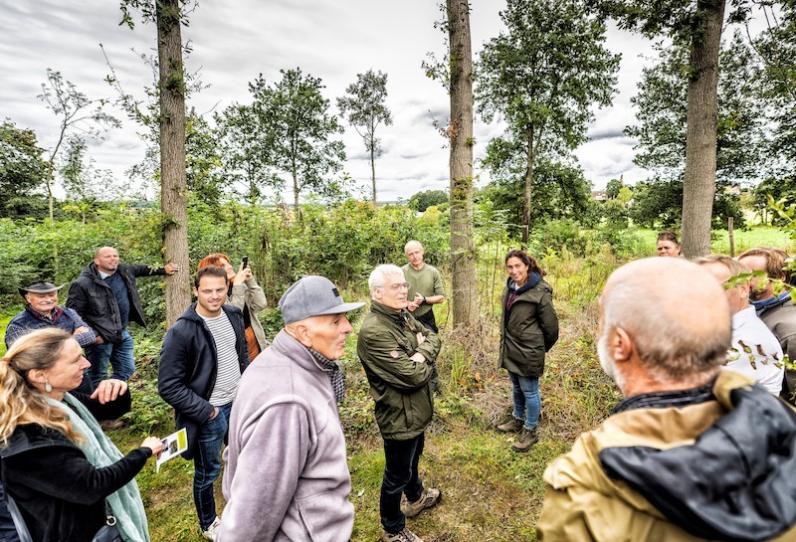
(37, 376)
(621, 345)
(302, 334)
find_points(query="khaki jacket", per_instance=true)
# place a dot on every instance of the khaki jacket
(583, 504)
(251, 296)
(400, 386)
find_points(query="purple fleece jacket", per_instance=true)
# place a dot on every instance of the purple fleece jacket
(286, 476)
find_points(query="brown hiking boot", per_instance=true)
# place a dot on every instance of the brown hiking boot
(109, 425)
(428, 499)
(404, 536)
(514, 425)
(525, 440)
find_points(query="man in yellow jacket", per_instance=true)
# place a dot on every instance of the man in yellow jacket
(694, 451)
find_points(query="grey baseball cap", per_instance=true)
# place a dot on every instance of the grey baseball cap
(312, 296)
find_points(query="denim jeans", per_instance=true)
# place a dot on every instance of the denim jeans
(401, 458)
(207, 465)
(527, 401)
(8, 532)
(119, 355)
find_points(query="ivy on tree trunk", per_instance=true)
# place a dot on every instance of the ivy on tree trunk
(465, 305)
(174, 188)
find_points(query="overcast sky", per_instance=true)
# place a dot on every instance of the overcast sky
(234, 41)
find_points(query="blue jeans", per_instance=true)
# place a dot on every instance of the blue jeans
(207, 465)
(8, 532)
(120, 356)
(527, 400)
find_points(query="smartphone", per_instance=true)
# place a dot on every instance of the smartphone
(245, 262)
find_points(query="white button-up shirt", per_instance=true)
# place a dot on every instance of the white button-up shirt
(755, 351)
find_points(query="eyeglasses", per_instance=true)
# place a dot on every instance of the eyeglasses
(397, 286)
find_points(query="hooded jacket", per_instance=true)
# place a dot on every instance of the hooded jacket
(188, 368)
(400, 386)
(529, 327)
(713, 463)
(286, 478)
(94, 301)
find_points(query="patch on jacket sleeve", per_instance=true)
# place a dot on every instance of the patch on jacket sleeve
(394, 354)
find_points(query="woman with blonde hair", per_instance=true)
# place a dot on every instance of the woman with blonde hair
(245, 294)
(65, 476)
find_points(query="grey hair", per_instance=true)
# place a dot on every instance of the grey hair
(664, 341)
(413, 242)
(377, 276)
(733, 266)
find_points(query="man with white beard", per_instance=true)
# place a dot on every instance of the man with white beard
(693, 452)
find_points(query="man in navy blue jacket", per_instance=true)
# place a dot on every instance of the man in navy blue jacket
(201, 362)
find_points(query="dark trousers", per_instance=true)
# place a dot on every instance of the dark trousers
(401, 458)
(207, 465)
(430, 322)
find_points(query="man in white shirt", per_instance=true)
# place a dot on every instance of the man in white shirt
(755, 351)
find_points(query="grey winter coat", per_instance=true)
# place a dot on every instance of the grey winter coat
(286, 478)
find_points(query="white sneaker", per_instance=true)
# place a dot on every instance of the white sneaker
(211, 531)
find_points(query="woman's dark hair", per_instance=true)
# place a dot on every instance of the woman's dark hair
(668, 236)
(210, 271)
(527, 259)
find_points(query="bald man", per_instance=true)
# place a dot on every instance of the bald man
(106, 297)
(693, 452)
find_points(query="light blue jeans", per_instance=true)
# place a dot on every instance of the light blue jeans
(119, 355)
(527, 400)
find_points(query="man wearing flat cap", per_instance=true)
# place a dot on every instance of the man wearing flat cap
(286, 475)
(41, 311)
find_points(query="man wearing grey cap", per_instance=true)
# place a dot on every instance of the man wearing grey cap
(286, 475)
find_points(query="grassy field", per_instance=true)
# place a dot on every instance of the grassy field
(489, 492)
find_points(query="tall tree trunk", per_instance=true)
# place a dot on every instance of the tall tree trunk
(465, 302)
(296, 190)
(528, 191)
(373, 170)
(174, 189)
(699, 184)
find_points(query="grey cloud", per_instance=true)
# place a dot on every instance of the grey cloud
(234, 41)
(606, 133)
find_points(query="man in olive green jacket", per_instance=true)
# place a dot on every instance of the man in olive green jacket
(397, 352)
(694, 451)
